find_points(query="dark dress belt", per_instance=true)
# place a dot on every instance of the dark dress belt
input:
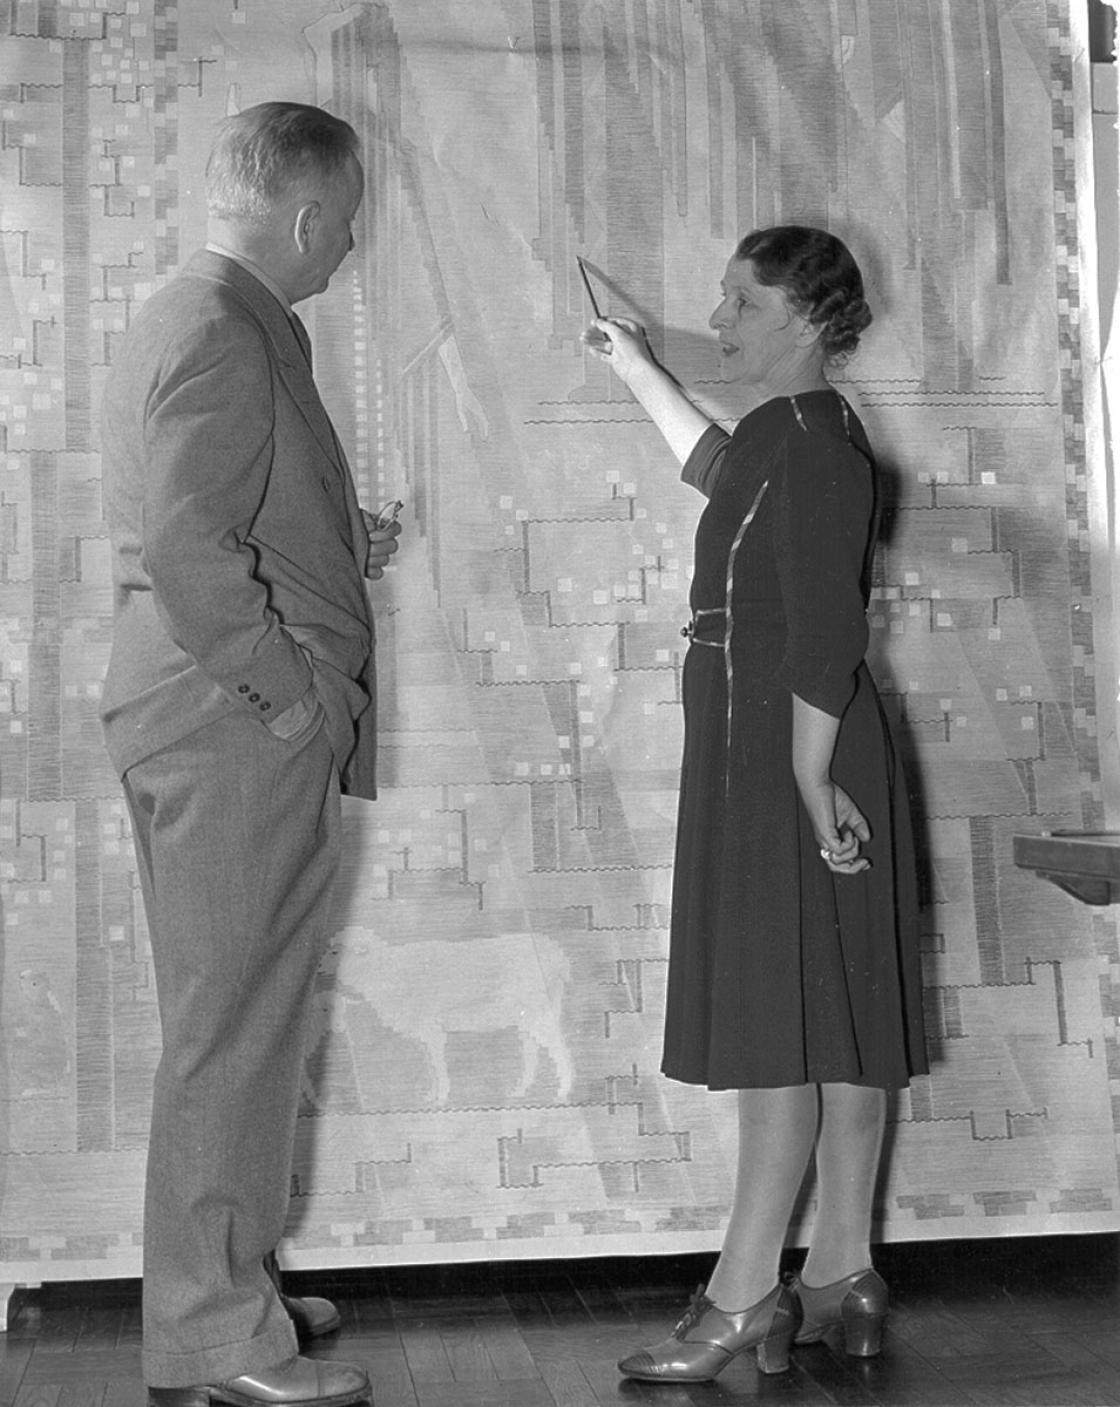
(708, 626)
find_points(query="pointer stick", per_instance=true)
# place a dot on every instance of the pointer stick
(587, 285)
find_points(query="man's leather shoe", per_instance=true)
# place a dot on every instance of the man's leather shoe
(297, 1382)
(312, 1316)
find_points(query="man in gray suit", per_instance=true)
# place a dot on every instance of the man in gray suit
(239, 703)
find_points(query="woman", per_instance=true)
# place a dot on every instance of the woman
(793, 970)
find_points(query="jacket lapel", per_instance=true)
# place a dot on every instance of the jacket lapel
(295, 369)
(296, 372)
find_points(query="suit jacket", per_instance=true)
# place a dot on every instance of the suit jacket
(239, 547)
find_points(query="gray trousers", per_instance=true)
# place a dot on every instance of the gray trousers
(237, 838)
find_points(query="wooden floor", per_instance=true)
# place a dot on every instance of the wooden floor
(989, 1322)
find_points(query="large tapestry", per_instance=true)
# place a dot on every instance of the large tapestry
(482, 1077)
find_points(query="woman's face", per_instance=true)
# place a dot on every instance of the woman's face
(761, 338)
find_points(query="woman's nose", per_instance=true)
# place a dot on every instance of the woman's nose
(716, 321)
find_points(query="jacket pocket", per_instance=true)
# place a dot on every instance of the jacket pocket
(300, 722)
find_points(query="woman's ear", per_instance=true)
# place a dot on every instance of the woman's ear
(808, 332)
(306, 218)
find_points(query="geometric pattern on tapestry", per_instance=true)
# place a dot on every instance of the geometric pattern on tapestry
(482, 1077)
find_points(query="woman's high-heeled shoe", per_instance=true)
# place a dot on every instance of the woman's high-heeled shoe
(858, 1302)
(708, 1338)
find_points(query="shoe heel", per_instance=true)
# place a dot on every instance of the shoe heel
(773, 1353)
(179, 1397)
(863, 1334)
(773, 1350)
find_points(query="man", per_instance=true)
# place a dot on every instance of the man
(239, 701)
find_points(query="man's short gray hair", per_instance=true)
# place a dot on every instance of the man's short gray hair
(263, 152)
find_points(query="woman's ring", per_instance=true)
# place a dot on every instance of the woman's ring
(825, 854)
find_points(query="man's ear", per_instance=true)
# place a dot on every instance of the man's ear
(306, 219)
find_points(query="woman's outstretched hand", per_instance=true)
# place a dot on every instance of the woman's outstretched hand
(621, 343)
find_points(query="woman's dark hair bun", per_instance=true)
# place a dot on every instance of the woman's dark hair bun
(820, 278)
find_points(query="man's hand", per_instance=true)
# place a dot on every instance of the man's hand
(382, 544)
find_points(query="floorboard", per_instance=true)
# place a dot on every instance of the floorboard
(1007, 1323)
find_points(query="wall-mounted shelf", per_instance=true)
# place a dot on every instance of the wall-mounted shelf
(1085, 864)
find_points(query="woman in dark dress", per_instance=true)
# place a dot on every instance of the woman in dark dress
(793, 968)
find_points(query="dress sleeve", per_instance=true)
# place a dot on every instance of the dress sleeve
(704, 465)
(823, 508)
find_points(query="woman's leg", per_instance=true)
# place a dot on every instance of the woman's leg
(848, 1149)
(777, 1128)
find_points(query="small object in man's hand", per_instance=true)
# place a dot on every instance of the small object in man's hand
(388, 513)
